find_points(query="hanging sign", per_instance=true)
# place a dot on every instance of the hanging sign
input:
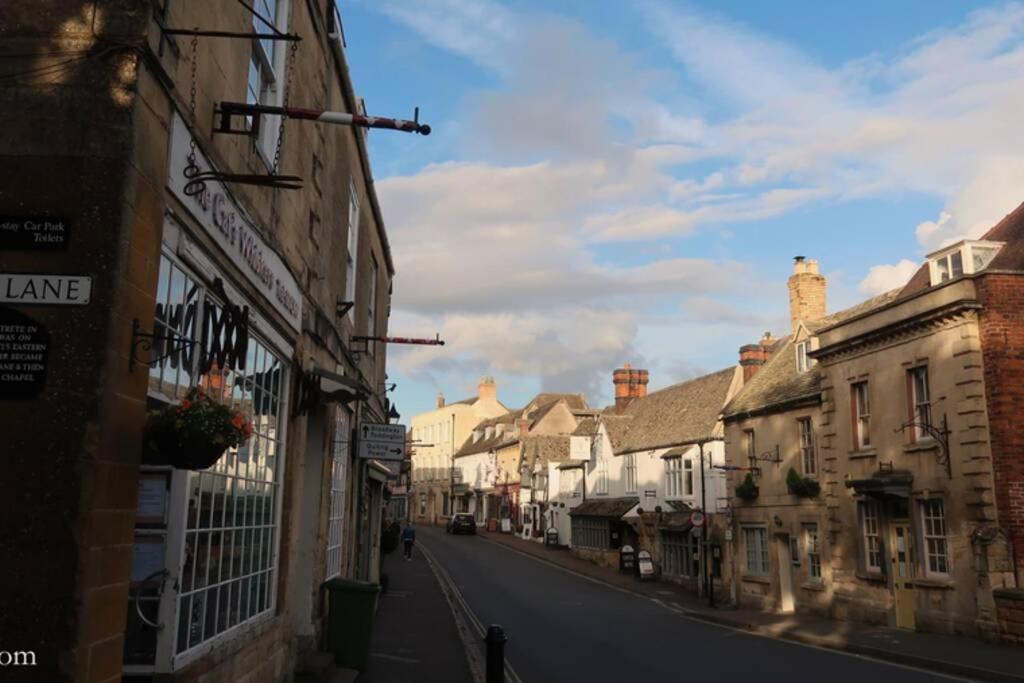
(34, 232)
(232, 229)
(24, 348)
(381, 442)
(43, 289)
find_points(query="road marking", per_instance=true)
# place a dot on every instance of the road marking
(693, 615)
(458, 603)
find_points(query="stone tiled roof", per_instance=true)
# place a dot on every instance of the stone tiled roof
(1010, 257)
(540, 406)
(545, 449)
(676, 415)
(778, 385)
(586, 427)
(610, 508)
(617, 427)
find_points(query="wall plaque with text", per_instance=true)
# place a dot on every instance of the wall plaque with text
(34, 233)
(24, 350)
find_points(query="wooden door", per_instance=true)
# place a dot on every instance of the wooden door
(902, 558)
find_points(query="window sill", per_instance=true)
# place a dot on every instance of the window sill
(921, 446)
(751, 578)
(816, 586)
(937, 584)
(864, 453)
(873, 578)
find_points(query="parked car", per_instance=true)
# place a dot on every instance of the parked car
(461, 524)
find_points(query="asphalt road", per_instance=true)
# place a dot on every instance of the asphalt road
(564, 628)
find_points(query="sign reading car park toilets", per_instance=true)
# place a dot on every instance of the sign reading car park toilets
(381, 442)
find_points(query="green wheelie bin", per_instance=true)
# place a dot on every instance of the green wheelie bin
(350, 618)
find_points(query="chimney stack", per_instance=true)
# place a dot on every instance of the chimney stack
(440, 400)
(487, 389)
(753, 356)
(806, 292)
(524, 427)
(629, 384)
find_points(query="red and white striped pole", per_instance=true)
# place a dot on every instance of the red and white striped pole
(334, 117)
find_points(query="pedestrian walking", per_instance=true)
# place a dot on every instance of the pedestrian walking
(408, 539)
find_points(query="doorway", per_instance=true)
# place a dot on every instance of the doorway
(783, 553)
(902, 558)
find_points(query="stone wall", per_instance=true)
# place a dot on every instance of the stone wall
(1010, 608)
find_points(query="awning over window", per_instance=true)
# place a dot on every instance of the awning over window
(883, 485)
(607, 508)
(340, 389)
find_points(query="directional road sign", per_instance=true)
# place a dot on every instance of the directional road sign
(381, 442)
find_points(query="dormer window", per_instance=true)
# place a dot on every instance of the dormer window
(803, 361)
(477, 435)
(963, 258)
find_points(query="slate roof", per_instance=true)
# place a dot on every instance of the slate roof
(778, 385)
(610, 508)
(676, 415)
(1010, 257)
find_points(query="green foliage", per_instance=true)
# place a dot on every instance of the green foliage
(747, 489)
(198, 419)
(805, 487)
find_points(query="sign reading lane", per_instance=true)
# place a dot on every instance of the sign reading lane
(382, 442)
(44, 289)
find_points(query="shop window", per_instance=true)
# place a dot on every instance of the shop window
(339, 485)
(680, 554)
(591, 532)
(755, 541)
(936, 545)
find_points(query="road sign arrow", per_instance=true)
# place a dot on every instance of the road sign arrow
(366, 432)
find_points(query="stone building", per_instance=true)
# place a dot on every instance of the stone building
(780, 557)
(435, 436)
(127, 567)
(895, 418)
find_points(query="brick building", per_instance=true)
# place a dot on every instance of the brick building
(124, 566)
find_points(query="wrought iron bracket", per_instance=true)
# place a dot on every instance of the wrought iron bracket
(343, 307)
(143, 342)
(940, 435)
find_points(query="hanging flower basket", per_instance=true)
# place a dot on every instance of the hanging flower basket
(194, 434)
(747, 489)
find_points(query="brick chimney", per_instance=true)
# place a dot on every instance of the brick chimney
(487, 389)
(523, 427)
(806, 292)
(629, 384)
(440, 400)
(753, 356)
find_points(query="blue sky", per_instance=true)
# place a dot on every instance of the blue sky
(629, 181)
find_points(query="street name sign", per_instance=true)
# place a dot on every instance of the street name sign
(381, 442)
(30, 289)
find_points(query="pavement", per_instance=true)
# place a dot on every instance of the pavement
(414, 639)
(951, 655)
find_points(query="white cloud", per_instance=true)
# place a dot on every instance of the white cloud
(883, 278)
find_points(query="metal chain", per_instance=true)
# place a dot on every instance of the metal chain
(284, 103)
(192, 100)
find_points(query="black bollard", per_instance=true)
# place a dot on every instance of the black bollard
(495, 640)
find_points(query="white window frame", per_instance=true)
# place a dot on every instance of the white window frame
(758, 562)
(920, 407)
(935, 538)
(371, 301)
(973, 255)
(803, 361)
(871, 536)
(601, 476)
(630, 467)
(812, 546)
(674, 477)
(688, 476)
(352, 247)
(340, 455)
(860, 395)
(167, 657)
(267, 64)
(808, 452)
